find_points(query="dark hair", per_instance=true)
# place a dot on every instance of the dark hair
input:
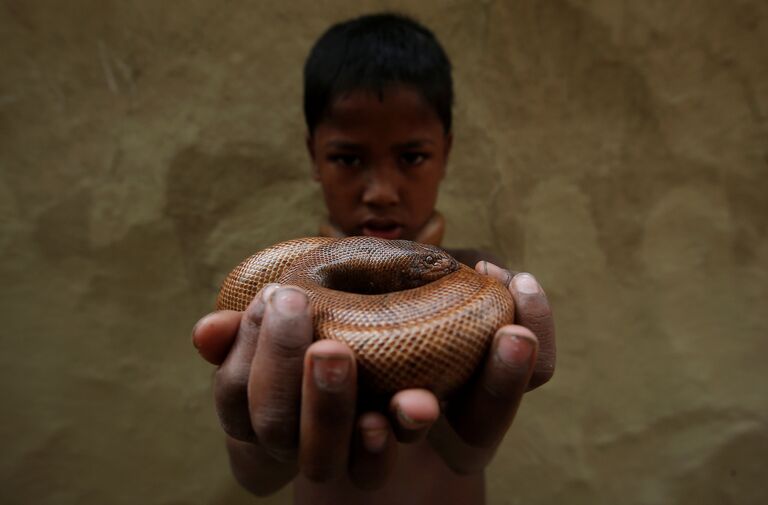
(370, 53)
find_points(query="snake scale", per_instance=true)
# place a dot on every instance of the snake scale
(412, 314)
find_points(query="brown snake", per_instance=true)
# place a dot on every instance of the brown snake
(413, 315)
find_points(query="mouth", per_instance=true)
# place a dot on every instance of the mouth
(382, 228)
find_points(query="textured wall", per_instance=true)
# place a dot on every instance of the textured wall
(619, 150)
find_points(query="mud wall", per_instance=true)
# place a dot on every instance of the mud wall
(618, 150)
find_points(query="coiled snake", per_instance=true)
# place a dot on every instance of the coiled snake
(413, 315)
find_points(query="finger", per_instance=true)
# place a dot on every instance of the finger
(502, 275)
(533, 311)
(374, 451)
(482, 417)
(414, 411)
(231, 379)
(274, 385)
(248, 461)
(327, 410)
(214, 334)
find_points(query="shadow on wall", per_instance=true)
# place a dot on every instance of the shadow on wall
(729, 475)
(205, 189)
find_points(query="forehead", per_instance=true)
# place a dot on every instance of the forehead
(396, 111)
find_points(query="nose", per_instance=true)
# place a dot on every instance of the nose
(381, 189)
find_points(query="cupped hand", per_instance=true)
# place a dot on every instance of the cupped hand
(288, 405)
(521, 358)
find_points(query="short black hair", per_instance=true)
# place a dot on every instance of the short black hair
(370, 53)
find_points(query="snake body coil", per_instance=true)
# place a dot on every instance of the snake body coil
(412, 314)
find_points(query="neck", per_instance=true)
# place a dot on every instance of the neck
(431, 233)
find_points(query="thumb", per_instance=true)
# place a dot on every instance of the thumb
(214, 334)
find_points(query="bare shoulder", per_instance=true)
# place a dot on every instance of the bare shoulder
(470, 257)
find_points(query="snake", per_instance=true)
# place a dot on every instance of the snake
(413, 316)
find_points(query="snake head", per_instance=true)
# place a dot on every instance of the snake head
(371, 265)
(430, 263)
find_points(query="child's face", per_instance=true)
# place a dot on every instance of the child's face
(380, 162)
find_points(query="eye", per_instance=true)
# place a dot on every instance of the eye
(346, 160)
(430, 260)
(413, 158)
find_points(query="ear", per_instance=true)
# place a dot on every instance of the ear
(309, 141)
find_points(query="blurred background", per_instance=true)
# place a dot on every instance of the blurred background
(617, 150)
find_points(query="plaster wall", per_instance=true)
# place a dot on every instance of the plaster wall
(618, 150)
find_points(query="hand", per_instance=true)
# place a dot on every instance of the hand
(522, 358)
(289, 405)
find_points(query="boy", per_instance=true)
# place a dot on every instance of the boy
(378, 97)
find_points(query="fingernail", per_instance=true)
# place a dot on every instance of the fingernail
(330, 372)
(408, 423)
(288, 301)
(527, 284)
(375, 440)
(266, 293)
(514, 350)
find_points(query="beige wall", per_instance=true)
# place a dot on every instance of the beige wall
(619, 150)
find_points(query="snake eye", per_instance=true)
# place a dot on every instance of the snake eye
(429, 260)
